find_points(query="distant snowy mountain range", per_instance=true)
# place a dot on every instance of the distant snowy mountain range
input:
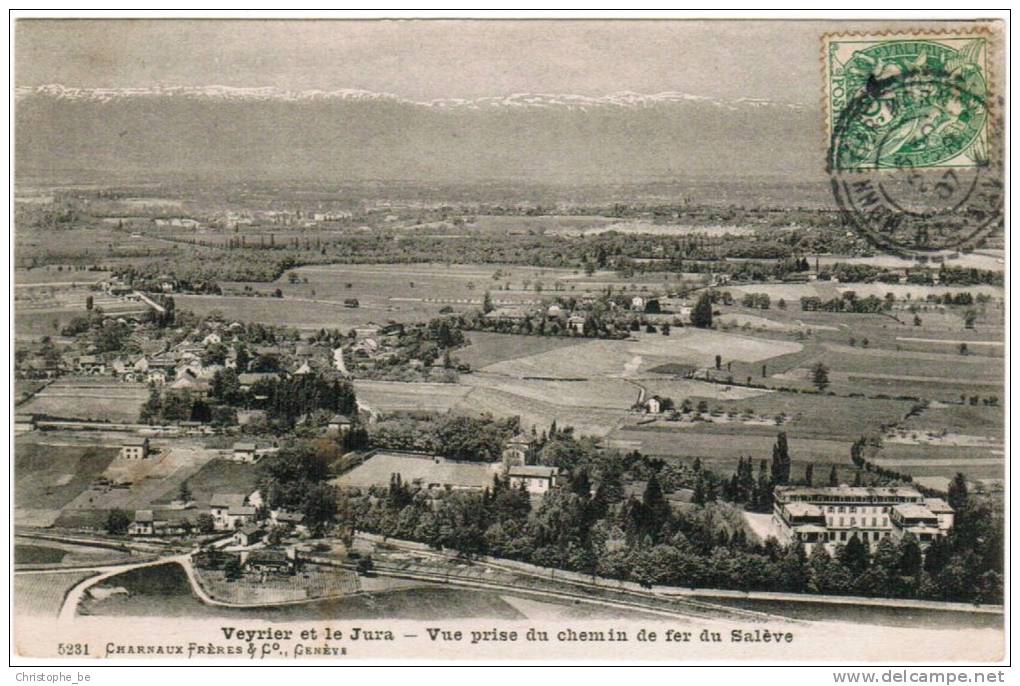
(352, 134)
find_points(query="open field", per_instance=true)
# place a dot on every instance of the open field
(42, 595)
(95, 243)
(540, 413)
(596, 394)
(154, 479)
(89, 398)
(678, 389)
(984, 259)
(394, 396)
(628, 358)
(32, 278)
(51, 476)
(154, 482)
(376, 471)
(218, 476)
(926, 460)
(971, 419)
(847, 363)
(300, 314)
(723, 450)
(489, 348)
(811, 415)
(35, 551)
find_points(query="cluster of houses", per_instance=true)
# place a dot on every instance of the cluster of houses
(575, 319)
(262, 562)
(244, 516)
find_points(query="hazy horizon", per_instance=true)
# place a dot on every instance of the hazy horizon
(433, 59)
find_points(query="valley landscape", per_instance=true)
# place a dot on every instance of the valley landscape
(342, 354)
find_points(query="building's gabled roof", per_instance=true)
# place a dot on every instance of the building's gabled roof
(242, 511)
(534, 471)
(244, 447)
(339, 419)
(249, 530)
(938, 506)
(521, 438)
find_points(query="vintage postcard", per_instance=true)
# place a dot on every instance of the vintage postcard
(443, 340)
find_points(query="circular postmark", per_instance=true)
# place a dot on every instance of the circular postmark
(910, 162)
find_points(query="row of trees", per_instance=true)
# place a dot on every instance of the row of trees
(458, 437)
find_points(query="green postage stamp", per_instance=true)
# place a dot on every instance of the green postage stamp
(905, 101)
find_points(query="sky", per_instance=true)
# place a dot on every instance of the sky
(424, 60)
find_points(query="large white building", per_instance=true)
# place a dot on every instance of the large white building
(832, 516)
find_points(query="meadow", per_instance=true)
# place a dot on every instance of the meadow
(377, 470)
(42, 595)
(486, 348)
(96, 399)
(641, 353)
(393, 396)
(52, 475)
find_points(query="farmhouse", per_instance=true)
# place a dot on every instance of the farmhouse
(517, 450)
(366, 348)
(535, 479)
(248, 535)
(244, 452)
(91, 364)
(832, 516)
(576, 323)
(142, 524)
(338, 425)
(286, 518)
(366, 330)
(134, 448)
(653, 405)
(229, 511)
